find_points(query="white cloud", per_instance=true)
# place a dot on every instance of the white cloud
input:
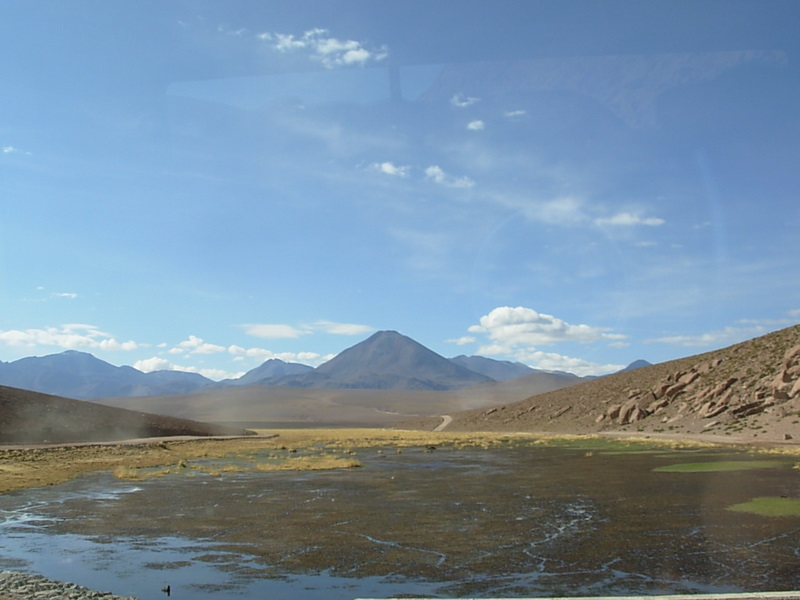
(476, 125)
(309, 358)
(513, 114)
(157, 363)
(196, 345)
(510, 328)
(436, 174)
(626, 219)
(330, 51)
(551, 361)
(273, 330)
(341, 328)
(567, 210)
(389, 168)
(234, 32)
(462, 341)
(68, 295)
(515, 332)
(13, 150)
(277, 330)
(69, 337)
(462, 101)
(215, 374)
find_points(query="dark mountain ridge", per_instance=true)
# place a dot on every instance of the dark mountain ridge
(386, 360)
(81, 375)
(271, 368)
(499, 370)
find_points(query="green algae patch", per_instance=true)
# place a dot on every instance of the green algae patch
(770, 506)
(721, 465)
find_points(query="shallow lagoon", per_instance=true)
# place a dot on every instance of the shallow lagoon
(515, 520)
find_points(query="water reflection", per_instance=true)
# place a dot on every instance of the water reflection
(525, 520)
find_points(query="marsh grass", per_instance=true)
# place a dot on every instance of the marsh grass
(38, 467)
(770, 506)
(722, 465)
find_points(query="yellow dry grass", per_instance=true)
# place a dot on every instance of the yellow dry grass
(127, 473)
(309, 463)
(297, 449)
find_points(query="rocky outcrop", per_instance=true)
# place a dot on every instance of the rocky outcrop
(707, 391)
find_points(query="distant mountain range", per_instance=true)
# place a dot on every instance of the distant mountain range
(387, 360)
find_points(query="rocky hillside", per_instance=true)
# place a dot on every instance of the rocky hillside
(750, 391)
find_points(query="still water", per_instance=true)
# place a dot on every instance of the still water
(517, 520)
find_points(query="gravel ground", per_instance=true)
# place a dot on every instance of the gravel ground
(22, 586)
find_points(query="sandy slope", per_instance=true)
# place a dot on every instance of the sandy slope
(33, 418)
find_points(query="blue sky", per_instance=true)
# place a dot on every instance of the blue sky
(573, 185)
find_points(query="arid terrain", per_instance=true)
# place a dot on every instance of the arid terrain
(745, 394)
(749, 392)
(32, 418)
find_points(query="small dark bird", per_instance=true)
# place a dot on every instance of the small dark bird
(166, 590)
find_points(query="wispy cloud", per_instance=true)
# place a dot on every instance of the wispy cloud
(462, 341)
(476, 125)
(241, 31)
(426, 251)
(280, 330)
(340, 328)
(330, 51)
(68, 337)
(514, 114)
(565, 210)
(627, 219)
(68, 295)
(436, 174)
(273, 331)
(462, 101)
(14, 150)
(389, 168)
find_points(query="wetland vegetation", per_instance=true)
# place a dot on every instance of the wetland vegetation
(349, 513)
